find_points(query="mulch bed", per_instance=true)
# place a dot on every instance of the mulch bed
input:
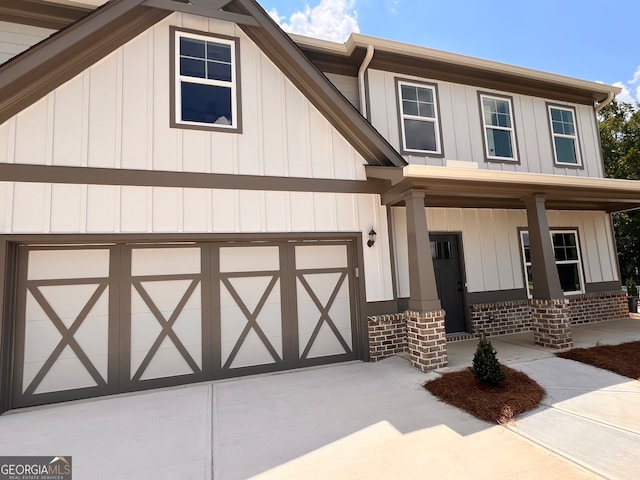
(517, 394)
(623, 359)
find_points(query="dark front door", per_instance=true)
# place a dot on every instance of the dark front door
(446, 264)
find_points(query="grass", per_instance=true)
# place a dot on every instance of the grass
(623, 359)
(517, 394)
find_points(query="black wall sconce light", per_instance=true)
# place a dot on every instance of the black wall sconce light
(372, 238)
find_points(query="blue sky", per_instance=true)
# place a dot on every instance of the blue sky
(588, 39)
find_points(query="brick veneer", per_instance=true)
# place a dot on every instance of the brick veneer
(596, 307)
(387, 335)
(501, 318)
(551, 323)
(426, 340)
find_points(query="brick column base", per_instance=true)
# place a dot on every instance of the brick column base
(551, 323)
(426, 340)
(387, 335)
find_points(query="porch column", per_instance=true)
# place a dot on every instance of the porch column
(423, 292)
(550, 315)
(426, 341)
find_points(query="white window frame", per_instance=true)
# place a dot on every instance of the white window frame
(435, 120)
(232, 85)
(511, 129)
(561, 262)
(574, 137)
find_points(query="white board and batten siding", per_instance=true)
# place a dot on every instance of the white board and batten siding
(348, 86)
(116, 115)
(461, 127)
(491, 245)
(16, 38)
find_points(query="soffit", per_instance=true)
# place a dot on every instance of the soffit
(434, 64)
(467, 188)
(40, 13)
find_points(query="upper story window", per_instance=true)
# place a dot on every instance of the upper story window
(567, 257)
(206, 82)
(498, 125)
(419, 120)
(564, 135)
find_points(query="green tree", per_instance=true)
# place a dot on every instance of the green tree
(486, 367)
(619, 125)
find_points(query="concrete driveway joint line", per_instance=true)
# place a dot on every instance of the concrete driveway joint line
(556, 451)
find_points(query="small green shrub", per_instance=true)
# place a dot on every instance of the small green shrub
(486, 367)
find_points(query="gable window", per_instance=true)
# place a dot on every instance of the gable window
(206, 81)
(499, 133)
(419, 120)
(567, 258)
(564, 135)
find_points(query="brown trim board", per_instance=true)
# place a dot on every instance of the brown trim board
(153, 178)
(288, 57)
(39, 13)
(8, 263)
(600, 287)
(31, 75)
(497, 296)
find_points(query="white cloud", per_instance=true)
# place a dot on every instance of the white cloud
(329, 20)
(625, 95)
(392, 6)
(630, 89)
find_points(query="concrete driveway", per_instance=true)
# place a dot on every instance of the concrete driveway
(355, 420)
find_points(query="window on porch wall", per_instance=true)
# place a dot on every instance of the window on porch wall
(566, 249)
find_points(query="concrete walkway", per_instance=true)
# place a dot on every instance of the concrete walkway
(355, 420)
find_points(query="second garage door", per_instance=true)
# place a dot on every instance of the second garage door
(94, 320)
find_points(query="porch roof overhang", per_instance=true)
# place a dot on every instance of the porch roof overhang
(475, 188)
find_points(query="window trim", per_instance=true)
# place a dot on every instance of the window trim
(575, 137)
(437, 120)
(576, 232)
(174, 81)
(514, 137)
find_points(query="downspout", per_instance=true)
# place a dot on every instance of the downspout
(609, 99)
(361, 85)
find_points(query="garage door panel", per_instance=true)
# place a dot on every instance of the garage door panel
(67, 301)
(68, 264)
(321, 256)
(253, 352)
(249, 290)
(94, 320)
(340, 314)
(67, 373)
(326, 344)
(166, 362)
(157, 348)
(165, 261)
(323, 305)
(249, 259)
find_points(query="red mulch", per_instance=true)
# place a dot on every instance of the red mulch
(623, 359)
(517, 394)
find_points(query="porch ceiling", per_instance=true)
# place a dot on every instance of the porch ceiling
(471, 188)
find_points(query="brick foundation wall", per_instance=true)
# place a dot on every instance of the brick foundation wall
(387, 335)
(426, 340)
(597, 307)
(501, 318)
(551, 323)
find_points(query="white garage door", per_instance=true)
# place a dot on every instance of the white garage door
(94, 320)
